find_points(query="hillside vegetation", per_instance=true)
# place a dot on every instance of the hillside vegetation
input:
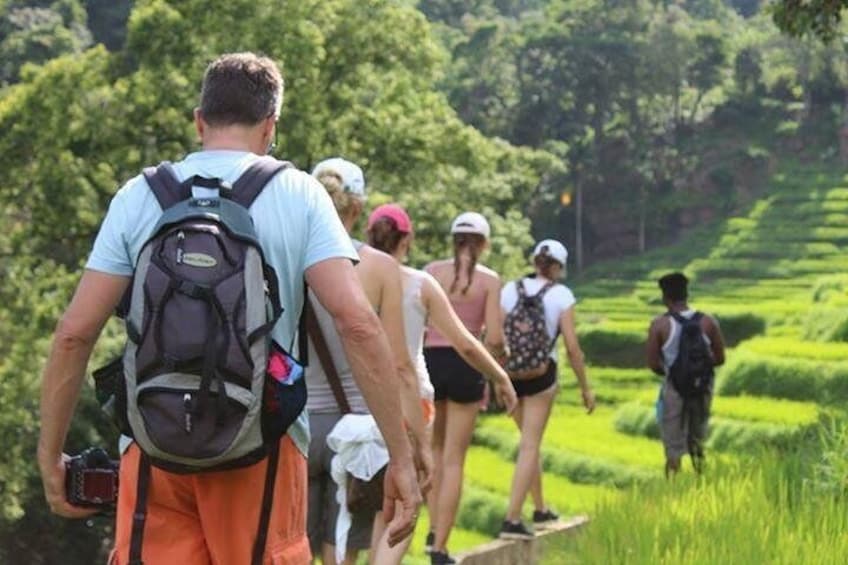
(773, 491)
(647, 136)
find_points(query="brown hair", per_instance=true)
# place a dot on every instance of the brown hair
(546, 265)
(473, 244)
(385, 235)
(240, 88)
(342, 199)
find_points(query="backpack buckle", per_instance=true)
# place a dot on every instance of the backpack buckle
(191, 289)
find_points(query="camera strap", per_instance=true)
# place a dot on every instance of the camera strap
(140, 512)
(267, 503)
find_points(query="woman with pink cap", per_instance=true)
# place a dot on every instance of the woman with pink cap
(537, 309)
(425, 302)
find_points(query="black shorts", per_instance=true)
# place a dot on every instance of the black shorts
(535, 386)
(452, 377)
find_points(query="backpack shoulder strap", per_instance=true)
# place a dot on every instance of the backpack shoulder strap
(166, 188)
(253, 180)
(519, 286)
(544, 289)
(680, 319)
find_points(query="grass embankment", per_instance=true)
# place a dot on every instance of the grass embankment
(774, 279)
(758, 510)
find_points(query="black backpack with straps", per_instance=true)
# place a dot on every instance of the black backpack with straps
(197, 391)
(692, 372)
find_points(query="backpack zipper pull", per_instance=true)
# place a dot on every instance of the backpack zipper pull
(187, 406)
(180, 242)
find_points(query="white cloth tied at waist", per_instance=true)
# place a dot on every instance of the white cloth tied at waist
(360, 451)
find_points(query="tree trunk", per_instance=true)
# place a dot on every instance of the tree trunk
(843, 134)
(578, 236)
(643, 212)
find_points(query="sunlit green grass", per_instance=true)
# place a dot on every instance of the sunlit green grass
(491, 472)
(783, 347)
(756, 511)
(571, 429)
(753, 408)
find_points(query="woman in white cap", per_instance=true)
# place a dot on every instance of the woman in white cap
(536, 310)
(380, 278)
(424, 301)
(474, 293)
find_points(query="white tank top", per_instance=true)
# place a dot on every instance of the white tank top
(415, 322)
(671, 347)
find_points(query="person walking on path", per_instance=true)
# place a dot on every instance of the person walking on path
(380, 277)
(684, 346)
(425, 302)
(212, 517)
(537, 306)
(473, 291)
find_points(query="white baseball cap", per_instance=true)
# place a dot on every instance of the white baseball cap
(471, 222)
(352, 177)
(553, 249)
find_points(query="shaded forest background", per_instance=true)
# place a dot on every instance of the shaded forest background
(617, 126)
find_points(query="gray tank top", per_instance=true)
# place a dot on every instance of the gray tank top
(320, 399)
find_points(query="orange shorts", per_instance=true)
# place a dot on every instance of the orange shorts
(208, 518)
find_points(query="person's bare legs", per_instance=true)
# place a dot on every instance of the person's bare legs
(381, 553)
(328, 555)
(535, 411)
(459, 427)
(438, 444)
(536, 488)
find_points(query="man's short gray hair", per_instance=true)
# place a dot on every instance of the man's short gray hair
(241, 88)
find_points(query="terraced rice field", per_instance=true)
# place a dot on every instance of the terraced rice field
(778, 282)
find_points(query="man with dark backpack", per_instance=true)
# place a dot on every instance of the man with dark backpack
(684, 346)
(216, 250)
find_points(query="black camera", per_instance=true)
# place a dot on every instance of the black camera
(91, 479)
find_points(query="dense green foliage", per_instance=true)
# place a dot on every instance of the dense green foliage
(669, 114)
(821, 18)
(73, 130)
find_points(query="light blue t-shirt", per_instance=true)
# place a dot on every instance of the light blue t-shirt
(294, 217)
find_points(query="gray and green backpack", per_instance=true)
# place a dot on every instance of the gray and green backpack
(197, 394)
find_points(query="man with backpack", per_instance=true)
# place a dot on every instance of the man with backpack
(216, 250)
(684, 347)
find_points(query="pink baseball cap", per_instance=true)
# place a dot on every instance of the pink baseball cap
(393, 212)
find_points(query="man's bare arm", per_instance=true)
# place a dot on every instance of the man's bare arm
(76, 333)
(654, 348)
(716, 340)
(495, 342)
(391, 316)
